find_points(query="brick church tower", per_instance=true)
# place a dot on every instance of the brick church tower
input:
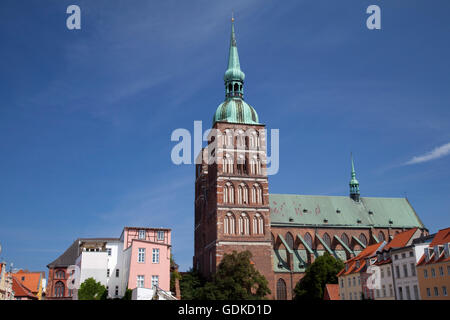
(231, 187)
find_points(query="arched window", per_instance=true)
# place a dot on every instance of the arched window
(242, 194)
(229, 224)
(345, 239)
(236, 87)
(327, 240)
(308, 240)
(59, 289)
(290, 240)
(253, 165)
(60, 274)
(258, 166)
(228, 193)
(257, 194)
(381, 236)
(225, 194)
(363, 239)
(228, 164)
(281, 290)
(258, 224)
(230, 87)
(244, 224)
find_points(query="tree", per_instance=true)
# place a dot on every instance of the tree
(127, 295)
(324, 270)
(236, 278)
(92, 290)
(174, 274)
(190, 284)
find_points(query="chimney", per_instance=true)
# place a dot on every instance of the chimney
(427, 254)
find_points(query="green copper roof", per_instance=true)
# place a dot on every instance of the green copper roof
(236, 110)
(233, 71)
(354, 184)
(286, 209)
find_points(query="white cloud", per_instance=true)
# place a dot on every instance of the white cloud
(436, 153)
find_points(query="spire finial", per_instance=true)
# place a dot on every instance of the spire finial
(354, 184)
(234, 77)
(232, 15)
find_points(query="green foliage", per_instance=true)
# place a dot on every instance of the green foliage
(127, 295)
(324, 270)
(236, 278)
(174, 274)
(92, 290)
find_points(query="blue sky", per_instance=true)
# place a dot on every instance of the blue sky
(86, 116)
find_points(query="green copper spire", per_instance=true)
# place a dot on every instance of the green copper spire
(234, 77)
(354, 184)
(234, 109)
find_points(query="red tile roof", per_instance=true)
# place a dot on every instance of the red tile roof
(331, 292)
(367, 252)
(20, 290)
(31, 280)
(443, 236)
(400, 239)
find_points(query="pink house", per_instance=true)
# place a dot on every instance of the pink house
(148, 251)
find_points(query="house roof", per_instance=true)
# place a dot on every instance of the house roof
(20, 290)
(332, 290)
(401, 239)
(68, 257)
(352, 265)
(289, 209)
(442, 237)
(31, 280)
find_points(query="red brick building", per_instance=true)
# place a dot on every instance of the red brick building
(285, 233)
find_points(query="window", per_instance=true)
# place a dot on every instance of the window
(155, 256)
(258, 224)
(160, 235)
(351, 296)
(349, 282)
(441, 271)
(425, 273)
(405, 270)
(257, 194)
(342, 283)
(382, 272)
(228, 193)
(242, 194)
(107, 273)
(59, 289)
(444, 290)
(428, 292)
(359, 280)
(141, 255)
(345, 239)
(308, 240)
(403, 255)
(60, 274)
(117, 273)
(408, 294)
(433, 273)
(413, 269)
(411, 254)
(229, 223)
(381, 236)
(378, 293)
(416, 292)
(140, 281)
(400, 293)
(290, 240)
(391, 291)
(396, 257)
(388, 271)
(141, 234)
(397, 270)
(363, 239)
(436, 291)
(244, 224)
(384, 290)
(109, 251)
(354, 281)
(117, 291)
(281, 290)
(155, 281)
(327, 240)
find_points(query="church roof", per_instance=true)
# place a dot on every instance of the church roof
(342, 211)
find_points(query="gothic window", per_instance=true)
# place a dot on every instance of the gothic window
(381, 236)
(257, 193)
(290, 240)
(253, 165)
(60, 274)
(345, 239)
(281, 290)
(258, 224)
(327, 240)
(228, 193)
(242, 194)
(236, 87)
(244, 224)
(228, 164)
(59, 289)
(258, 166)
(229, 223)
(363, 239)
(308, 240)
(225, 194)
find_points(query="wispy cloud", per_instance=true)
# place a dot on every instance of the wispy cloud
(436, 153)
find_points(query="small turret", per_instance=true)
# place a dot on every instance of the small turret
(354, 184)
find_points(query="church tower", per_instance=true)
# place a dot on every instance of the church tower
(354, 184)
(231, 188)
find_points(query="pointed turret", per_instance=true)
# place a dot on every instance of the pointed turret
(354, 184)
(234, 77)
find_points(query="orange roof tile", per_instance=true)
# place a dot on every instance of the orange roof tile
(401, 239)
(443, 236)
(367, 252)
(20, 290)
(31, 280)
(332, 290)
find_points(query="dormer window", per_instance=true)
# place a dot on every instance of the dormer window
(357, 264)
(142, 234)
